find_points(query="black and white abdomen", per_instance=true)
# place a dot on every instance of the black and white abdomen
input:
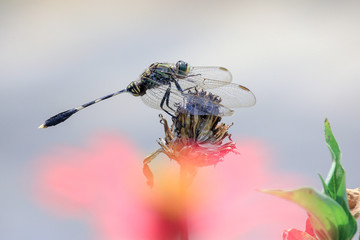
(136, 88)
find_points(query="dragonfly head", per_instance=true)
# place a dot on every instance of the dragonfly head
(182, 68)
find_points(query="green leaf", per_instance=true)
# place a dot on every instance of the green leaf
(335, 180)
(335, 186)
(327, 217)
(326, 189)
(331, 141)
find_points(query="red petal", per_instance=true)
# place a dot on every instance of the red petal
(294, 234)
(309, 229)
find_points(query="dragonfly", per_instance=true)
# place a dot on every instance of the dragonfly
(165, 86)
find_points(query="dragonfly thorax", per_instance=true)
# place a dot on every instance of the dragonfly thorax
(156, 75)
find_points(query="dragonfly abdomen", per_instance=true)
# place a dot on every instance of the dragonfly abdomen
(136, 88)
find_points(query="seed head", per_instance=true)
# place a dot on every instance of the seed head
(196, 138)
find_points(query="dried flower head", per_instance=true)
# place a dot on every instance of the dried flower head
(196, 137)
(353, 196)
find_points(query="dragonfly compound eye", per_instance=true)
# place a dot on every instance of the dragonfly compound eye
(182, 68)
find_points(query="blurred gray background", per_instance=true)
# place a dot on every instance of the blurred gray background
(300, 58)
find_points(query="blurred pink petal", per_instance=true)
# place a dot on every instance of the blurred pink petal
(234, 209)
(103, 183)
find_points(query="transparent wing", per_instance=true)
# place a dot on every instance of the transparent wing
(205, 78)
(235, 96)
(193, 104)
(218, 74)
(154, 96)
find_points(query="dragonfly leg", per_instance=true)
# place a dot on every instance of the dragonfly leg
(189, 88)
(178, 86)
(183, 90)
(166, 98)
(167, 103)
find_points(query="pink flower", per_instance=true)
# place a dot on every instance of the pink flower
(102, 183)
